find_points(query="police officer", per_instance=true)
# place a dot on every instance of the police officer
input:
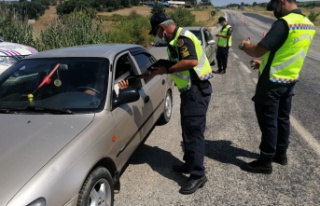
(190, 74)
(224, 43)
(284, 49)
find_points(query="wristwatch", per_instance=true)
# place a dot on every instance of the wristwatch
(241, 46)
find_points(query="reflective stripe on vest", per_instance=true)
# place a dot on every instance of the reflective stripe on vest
(203, 68)
(289, 58)
(222, 42)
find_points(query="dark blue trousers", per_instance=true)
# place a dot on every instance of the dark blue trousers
(273, 106)
(193, 109)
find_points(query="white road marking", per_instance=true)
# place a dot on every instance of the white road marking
(255, 80)
(235, 56)
(244, 67)
(312, 142)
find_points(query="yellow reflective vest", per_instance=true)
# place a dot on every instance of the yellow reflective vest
(224, 42)
(288, 60)
(203, 69)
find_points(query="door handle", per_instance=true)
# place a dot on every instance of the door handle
(146, 99)
(163, 82)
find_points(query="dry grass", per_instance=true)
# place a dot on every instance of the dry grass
(44, 21)
(142, 10)
(262, 11)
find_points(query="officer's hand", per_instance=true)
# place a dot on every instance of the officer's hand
(255, 64)
(123, 84)
(218, 35)
(158, 70)
(246, 42)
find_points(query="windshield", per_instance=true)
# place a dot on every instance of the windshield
(197, 33)
(65, 83)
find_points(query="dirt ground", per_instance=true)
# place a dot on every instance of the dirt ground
(44, 21)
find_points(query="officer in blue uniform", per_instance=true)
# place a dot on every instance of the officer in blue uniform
(194, 102)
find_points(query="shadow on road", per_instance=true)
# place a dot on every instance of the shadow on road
(159, 160)
(223, 151)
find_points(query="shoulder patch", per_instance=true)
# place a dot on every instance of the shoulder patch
(180, 42)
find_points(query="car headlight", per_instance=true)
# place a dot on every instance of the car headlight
(38, 202)
(7, 61)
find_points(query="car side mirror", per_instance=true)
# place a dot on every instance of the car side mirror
(126, 96)
(211, 42)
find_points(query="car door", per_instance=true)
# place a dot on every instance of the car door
(209, 49)
(153, 88)
(129, 117)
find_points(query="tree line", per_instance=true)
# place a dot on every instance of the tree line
(310, 4)
(30, 9)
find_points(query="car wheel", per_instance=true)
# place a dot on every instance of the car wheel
(166, 115)
(97, 189)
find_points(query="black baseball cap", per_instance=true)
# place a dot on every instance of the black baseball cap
(156, 20)
(270, 5)
(221, 19)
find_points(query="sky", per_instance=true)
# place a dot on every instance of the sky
(226, 2)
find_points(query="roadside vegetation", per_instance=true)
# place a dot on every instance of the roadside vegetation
(310, 9)
(83, 26)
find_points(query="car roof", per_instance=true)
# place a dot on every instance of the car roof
(193, 28)
(95, 50)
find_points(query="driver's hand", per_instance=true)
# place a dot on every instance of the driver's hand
(124, 84)
(88, 91)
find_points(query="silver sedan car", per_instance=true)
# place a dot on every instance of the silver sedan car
(67, 129)
(206, 40)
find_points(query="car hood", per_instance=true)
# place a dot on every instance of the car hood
(12, 49)
(159, 52)
(28, 142)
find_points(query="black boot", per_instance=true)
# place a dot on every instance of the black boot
(261, 165)
(281, 157)
(193, 184)
(218, 71)
(224, 70)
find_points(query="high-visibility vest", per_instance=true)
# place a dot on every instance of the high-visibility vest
(203, 69)
(224, 42)
(288, 60)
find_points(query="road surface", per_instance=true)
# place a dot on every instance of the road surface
(232, 138)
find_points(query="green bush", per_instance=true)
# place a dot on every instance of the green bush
(183, 17)
(133, 29)
(157, 8)
(213, 13)
(313, 16)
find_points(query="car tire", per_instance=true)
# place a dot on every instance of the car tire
(97, 189)
(167, 113)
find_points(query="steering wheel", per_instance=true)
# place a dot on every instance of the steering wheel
(90, 88)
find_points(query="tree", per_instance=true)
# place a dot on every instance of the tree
(158, 8)
(254, 4)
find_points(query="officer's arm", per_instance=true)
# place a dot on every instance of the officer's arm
(225, 36)
(183, 65)
(255, 50)
(228, 34)
(274, 38)
(187, 54)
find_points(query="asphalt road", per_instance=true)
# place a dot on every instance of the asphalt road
(232, 138)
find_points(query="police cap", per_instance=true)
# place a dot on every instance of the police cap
(156, 20)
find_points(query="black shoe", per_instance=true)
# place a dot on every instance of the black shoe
(217, 72)
(281, 157)
(262, 165)
(181, 168)
(193, 185)
(223, 71)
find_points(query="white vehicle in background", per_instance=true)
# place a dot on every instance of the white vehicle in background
(10, 53)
